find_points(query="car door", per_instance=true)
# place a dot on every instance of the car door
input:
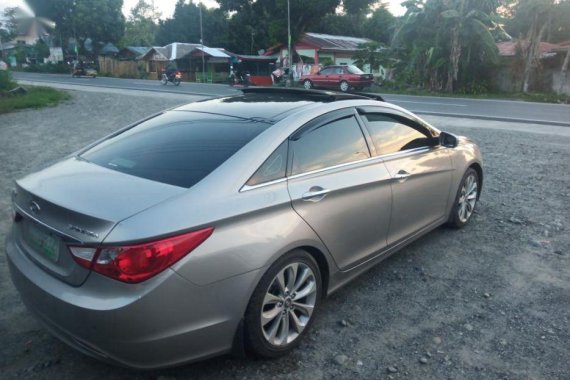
(421, 171)
(321, 79)
(342, 193)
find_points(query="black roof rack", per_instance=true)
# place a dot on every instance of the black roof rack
(331, 95)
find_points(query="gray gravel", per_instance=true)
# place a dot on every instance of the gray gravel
(489, 301)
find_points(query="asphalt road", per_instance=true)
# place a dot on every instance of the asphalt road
(501, 110)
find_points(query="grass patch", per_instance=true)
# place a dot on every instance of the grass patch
(37, 97)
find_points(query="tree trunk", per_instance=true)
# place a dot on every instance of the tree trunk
(533, 54)
(564, 72)
(454, 57)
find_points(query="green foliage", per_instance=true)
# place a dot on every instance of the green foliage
(446, 44)
(370, 54)
(142, 25)
(553, 13)
(101, 21)
(59, 68)
(8, 24)
(6, 82)
(36, 97)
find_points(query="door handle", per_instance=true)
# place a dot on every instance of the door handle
(315, 194)
(402, 175)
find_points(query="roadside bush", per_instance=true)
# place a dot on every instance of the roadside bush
(49, 68)
(6, 82)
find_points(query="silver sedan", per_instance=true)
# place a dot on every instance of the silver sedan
(221, 225)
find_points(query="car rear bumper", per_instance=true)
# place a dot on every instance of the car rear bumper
(162, 322)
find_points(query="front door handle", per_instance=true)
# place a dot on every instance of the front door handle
(402, 175)
(315, 194)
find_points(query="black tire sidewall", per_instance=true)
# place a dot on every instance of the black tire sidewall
(454, 220)
(255, 340)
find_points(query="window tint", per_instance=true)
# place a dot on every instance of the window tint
(391, 135)
(175, 149)
(273, 168)
(338, 142)
(327, 71)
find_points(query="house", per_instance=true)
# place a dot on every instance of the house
(552, 72)
(314, 49)
(196, 62)
(132, 53)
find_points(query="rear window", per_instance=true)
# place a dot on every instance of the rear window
(354, 70)
(177, 148)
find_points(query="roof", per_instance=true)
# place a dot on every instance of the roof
(109, 49)
(213, 52)
(332, 42)
(136, 50)
(175, 50)
(268, 104)
(509, 48)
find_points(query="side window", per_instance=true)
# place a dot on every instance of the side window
(325, 71)
(273, 168)
(334, 143)
(391, 135)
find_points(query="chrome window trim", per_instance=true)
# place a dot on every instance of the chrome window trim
(380, 158)
(247, 187)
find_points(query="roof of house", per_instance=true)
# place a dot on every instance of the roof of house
(136, 50)
(331, 42)
(509, 48)
(213, 52)
(175, 50)
(109, 49)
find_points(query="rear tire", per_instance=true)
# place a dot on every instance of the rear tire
(465, 200)
(177, 82)
(278, 316)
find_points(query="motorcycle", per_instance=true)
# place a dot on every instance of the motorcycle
(240, 79)
(83, 72)
(175, 78)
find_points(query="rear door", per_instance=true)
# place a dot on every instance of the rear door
(420, 168)
(335, 186)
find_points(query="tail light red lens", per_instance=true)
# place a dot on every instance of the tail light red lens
(136, 263)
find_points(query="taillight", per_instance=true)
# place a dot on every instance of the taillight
(137, 263)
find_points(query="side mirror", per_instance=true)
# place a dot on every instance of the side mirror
(448, 140)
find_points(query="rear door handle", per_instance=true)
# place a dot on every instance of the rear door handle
(315, 194)
(402, 175)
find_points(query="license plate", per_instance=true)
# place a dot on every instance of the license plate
(45, 243)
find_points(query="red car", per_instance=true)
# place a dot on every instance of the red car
(343, 77)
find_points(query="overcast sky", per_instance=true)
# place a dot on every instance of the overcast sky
(167, 6)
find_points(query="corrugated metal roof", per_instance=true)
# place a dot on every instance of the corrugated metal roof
(332, 42)
(509, 48)
(213, 52)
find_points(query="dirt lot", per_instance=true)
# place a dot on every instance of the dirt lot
(491, 301)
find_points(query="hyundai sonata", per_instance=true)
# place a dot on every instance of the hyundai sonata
(221, 225)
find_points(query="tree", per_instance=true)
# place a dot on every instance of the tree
(370, 54)
(443, 39)
(100, 21)
(141, 27)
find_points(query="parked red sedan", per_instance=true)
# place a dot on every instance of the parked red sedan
(339, 77)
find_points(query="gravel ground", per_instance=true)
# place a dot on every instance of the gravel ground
(491, 301)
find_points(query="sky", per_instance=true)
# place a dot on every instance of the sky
(167, 6)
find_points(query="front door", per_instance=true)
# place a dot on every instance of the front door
(420, 168)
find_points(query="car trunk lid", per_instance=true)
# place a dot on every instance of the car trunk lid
(77, 203)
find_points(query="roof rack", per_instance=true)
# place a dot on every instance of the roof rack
(332, 95)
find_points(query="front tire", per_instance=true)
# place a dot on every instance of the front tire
(344, 86)
(177, 82)
(307, 84)
(465, 199)
(283, 305)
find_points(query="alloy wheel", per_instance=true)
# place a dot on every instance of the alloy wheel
(344, 87)
(307, 84)
(467, 198)
(288, 304)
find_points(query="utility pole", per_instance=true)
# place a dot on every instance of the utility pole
(202, 43)
(290, 59)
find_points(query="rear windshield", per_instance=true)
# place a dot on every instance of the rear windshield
(177, 148)
(354, 70)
